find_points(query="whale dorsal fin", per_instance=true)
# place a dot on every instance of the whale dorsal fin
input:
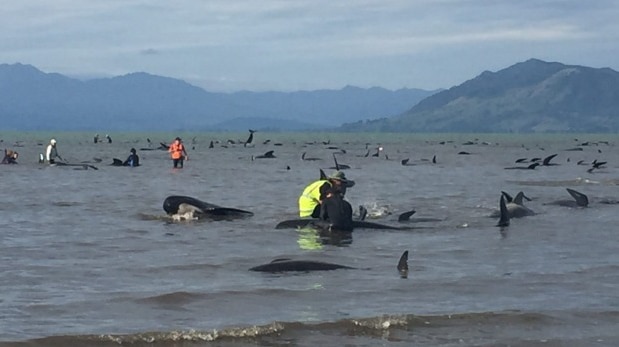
(518, 199)
(504, 220)
(547, 160)
(403, 265)
(508, 197)
(581, 199)
(406, 215)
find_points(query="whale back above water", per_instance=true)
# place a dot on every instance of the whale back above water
(180, 205)
(579, 200)
(289, 265)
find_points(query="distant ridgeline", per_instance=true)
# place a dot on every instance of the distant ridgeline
(33, 100)
(532, 96)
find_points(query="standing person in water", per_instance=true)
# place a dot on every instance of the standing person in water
(178, 153)
(51, 153)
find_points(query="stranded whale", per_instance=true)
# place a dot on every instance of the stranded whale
(286, 265)
(580, 200)
(514, 206)
(191, 208)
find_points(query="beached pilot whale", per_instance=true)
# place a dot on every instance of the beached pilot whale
(579, 200)
(514, 206)
(187, 207)
(287, 265)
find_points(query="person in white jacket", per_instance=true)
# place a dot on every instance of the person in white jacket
(52, 153)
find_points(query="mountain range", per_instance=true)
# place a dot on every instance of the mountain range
(33, 100)
(531, 96)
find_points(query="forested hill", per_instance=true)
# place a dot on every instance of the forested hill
(531, 96)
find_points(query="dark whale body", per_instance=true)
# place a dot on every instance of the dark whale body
(176, 204)
(289, 265)
(286, 265)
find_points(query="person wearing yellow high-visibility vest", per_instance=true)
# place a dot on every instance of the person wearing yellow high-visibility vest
(315, 193)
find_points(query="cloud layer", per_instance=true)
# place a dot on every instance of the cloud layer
(306, 44)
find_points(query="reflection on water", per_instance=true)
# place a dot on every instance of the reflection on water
(314, 238)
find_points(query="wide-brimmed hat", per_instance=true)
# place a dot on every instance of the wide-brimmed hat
(341, 176)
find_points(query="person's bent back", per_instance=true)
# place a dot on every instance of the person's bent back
(337, 211)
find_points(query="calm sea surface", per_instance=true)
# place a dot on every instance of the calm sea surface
(88, 257)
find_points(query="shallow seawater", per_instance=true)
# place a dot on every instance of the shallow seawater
(89, 256)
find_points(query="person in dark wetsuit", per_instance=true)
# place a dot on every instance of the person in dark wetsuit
(133, 159)
(10, 157)
(336, 211)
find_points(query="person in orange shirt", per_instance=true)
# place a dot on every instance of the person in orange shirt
(178, 153)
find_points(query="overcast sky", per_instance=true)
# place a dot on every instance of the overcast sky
(287, 45)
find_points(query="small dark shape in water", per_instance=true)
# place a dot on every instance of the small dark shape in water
(378, 150)
(363, 212)
(339, 166)
(267, 155)
(77, 166)
(406, 215)
(580, 200)
(546, 161)
(530, 167)
(250, 139)
(597, 164)
(303, 157)
(403, 265)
